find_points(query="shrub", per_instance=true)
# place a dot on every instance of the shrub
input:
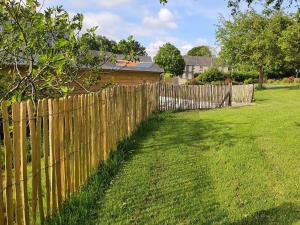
(217, 82)
(210, 75)
(193, 82)
(249, 81)
(168, 75)
(241, 76)
(236, 83)
(271, 81)
(285, 80)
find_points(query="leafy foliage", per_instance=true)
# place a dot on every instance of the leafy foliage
(130, 47)
(168, 75)
(43, 51)
(200, 51)
(100, 43)
(210, 75)
(275, 4)
(235, 4)
(170, 59)
(241, 76)
(290, 44)
(252, 39)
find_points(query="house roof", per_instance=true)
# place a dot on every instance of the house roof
(139, 67)
(147, 59)
(119, 56)
(199, 61)
(144, 64)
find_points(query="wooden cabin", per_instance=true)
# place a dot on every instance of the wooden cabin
(127, 73)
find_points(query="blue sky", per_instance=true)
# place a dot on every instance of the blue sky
(185, 23)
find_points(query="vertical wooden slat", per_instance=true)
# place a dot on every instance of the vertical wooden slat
(82, 138)
(52, 147)
(61, 132)
(88, 136)
(67, 147)
(57, 163)
(46, 154)
(2, 213)
(76, 165)
(17, 161)
(93, 133)
(34, 159)
(83, 147)
(8, 165)
(104, 124)
(71, 145)
(38, 161)
(100, 128)
(97, 137)
(87, 143)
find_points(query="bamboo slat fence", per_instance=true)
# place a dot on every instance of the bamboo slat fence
(68, 137)
(242, 93)
(189, 97)
(50, 149)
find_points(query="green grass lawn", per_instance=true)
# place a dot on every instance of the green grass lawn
(232, 166)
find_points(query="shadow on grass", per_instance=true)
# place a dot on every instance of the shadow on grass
(193, 132)
(184, 174)
(286, 87)
(83, 207)
(285, 214)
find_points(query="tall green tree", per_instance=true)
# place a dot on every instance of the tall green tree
(42, 52)
(252, 39)
(131, 48)
(101, 43)
(200, 51)
(275, 4)
(290, 44)
(170, 59)
(235, 4)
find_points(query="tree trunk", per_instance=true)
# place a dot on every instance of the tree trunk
(261, 77)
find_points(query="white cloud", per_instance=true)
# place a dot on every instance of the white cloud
(164, 19)
(183, 46)
(153, 47)
(115, 27)
(202, 41)
(108, 23)
(113, 3)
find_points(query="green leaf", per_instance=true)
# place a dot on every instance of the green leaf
(64, 89)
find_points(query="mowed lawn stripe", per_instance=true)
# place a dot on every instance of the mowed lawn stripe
(226, 166)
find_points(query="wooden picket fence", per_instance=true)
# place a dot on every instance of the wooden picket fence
(242, 94)
(189, 97)
(51, 148)
(69, 137)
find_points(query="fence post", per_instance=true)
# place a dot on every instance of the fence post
(230, 94)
